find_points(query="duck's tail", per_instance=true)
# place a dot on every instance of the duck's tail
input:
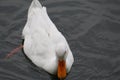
(34, 4)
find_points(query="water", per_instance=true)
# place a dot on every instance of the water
(91, 27)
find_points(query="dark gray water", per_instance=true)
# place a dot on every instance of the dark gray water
(92, 28)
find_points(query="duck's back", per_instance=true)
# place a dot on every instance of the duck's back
(37, 43)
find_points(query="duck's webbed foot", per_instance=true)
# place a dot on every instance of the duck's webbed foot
(14, 51)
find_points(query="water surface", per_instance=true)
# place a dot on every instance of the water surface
(91, 27)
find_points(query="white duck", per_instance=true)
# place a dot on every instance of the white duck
(44, 45)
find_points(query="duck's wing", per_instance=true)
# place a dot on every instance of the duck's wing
(37, 15)
(40, 51)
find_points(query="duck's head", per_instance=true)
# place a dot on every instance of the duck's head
(61, 52)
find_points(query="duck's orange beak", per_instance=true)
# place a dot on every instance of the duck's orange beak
(61, 69)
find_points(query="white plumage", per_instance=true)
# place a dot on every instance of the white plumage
(43, 43)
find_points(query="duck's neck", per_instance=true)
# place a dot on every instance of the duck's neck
(61, 69)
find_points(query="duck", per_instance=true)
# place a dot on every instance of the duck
(44, 44)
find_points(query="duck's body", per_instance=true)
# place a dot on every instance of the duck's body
(42, 40)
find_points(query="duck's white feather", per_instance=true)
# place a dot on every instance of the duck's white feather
(41, 38)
